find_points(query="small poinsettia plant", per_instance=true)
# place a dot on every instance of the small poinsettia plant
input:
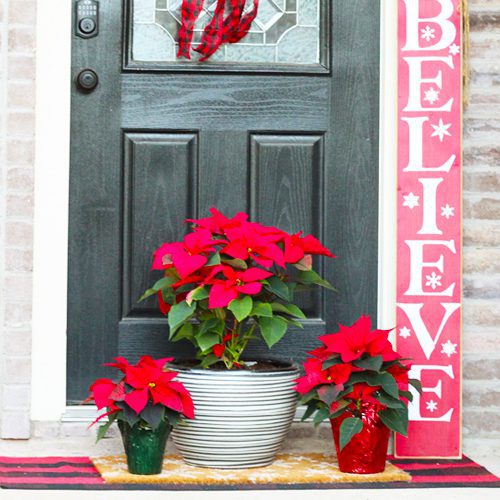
(146, 394)
(357, 368)
(229, 280)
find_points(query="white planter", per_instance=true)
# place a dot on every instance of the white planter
(241, 416)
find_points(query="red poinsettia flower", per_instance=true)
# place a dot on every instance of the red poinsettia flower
(219, 223)
(120, 363)
(101, 391)
(187, 256)
(296, 248)
(202, 277)
(363, 392)
(316, 375)
(148, 379)
(162, 305)
(400, 374)
(251, 240)
(218, 350)
(320, 353)
(246, 282)
(354, 341)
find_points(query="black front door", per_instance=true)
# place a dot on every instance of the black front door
(283, 125)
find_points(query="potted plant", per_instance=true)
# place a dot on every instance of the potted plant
(361, 384)
(146, 403)
(227, 283)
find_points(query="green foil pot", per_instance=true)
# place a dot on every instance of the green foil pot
(144, 446)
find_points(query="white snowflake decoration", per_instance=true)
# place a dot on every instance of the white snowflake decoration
(431, 95)
(404, 332)
(431, 405)
(454, 49)
(449, 348)
(440, 130)
(433, 280)
(447, 211)
(410, 201)
(428, 33)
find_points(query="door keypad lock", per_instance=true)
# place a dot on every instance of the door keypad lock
(87, 18)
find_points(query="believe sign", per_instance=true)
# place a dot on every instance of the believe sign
(429, 228)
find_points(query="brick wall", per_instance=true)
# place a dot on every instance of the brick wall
(17, 118)
(481, 314)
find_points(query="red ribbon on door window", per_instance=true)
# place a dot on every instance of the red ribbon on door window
(222, 28)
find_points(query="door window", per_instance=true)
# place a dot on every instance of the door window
(284, 32)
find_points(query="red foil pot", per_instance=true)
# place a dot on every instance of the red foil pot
(366, 452)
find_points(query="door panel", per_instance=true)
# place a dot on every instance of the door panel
(160, 186)
(287, 190)
(150, 149)
(274, 103)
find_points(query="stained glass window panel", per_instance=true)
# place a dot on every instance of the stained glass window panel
(285, 31)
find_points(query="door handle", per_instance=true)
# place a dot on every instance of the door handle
(87, 80)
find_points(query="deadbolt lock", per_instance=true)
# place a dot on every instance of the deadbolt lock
(87, 18)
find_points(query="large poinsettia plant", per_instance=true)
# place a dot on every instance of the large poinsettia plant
(146, 394)
(357, 368)
(229, 280)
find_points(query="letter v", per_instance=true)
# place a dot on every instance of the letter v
(427, 343)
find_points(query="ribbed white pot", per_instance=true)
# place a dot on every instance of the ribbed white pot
(241, 416)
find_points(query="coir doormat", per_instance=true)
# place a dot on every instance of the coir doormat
(81, 473)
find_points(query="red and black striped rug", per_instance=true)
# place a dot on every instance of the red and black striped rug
(79, 473)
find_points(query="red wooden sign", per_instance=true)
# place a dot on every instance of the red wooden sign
(429, 222)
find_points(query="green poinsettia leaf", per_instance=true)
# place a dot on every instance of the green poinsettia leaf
(214, 260)
(310, 409)
(185, 332)
(313, 278)
(349, 427)
(309, 396)
(165, 282)
(279, 288)
(321, 414)
(341, 405)
(215, 325)
(153, 414)
(329, 393)
(389, 384)
(178, 314)
(395, 419)
(293, 322)
(272, 329)
(262, 309)
(147, 293)
(331, 362)
(172, 416)
(406, 394)
(241, 307)
(103, 429)
(199, 293)
(128, 414)
(389, 401)
(372, 363)
(209, 360)
(414, 382)
(207, 341)
(290, 309)
(236, 263)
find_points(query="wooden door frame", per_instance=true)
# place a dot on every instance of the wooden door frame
(52, 198)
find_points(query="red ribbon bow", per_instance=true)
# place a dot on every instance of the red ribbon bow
(221, 29)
